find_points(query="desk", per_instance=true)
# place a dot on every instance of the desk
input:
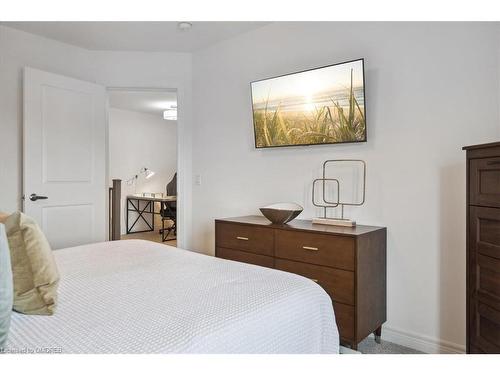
(148, 209)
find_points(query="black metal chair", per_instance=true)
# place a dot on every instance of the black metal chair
(168, 212)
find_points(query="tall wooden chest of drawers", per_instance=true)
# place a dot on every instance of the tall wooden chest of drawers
(483, 248)
(349, 263)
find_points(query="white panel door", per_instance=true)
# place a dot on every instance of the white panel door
(65, 157)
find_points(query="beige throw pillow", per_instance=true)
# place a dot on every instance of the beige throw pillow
(34, 268)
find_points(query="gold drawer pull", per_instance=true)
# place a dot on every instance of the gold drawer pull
(310, 248)
(315, 280)
(242, 238)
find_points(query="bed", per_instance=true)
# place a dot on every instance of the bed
(138, 296)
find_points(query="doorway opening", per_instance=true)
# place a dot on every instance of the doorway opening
(143, 153)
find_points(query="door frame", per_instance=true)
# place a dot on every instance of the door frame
(183, 160)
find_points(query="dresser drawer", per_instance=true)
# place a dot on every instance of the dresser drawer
(242, 256)
(487, 327)
(344, 316)
(254, 239)
(339, 284)
(488, 276)
(484, 183)
(484, 230)
(326, 250)
(476, 350)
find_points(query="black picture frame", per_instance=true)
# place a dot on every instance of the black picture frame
(364, 140)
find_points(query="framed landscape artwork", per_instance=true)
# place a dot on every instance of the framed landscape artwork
(318, 106)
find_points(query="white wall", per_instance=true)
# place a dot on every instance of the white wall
(430, 89)
(111, 69)
(138, 140)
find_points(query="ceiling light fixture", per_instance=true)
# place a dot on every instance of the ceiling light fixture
(183, 26)
(170, 114)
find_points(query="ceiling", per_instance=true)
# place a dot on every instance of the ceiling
(137, 36)
(152, 102)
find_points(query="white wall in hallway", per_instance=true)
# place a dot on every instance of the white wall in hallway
(138, 140)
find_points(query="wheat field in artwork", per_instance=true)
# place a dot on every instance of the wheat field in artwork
(319, 106)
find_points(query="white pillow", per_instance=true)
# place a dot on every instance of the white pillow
(6, 287)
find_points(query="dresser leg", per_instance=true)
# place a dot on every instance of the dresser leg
(354, 346)
(378, 333)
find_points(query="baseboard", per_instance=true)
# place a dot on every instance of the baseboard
(419, 342)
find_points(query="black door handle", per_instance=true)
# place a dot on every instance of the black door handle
(34, 197)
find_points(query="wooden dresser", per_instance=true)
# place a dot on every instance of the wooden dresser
(483, 248)
(349, 263)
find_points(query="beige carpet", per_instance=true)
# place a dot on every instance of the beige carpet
(369, 346)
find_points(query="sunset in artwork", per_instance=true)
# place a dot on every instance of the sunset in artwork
(325, 105)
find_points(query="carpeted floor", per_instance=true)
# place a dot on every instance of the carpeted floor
(369, 346)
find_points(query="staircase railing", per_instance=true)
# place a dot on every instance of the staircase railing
(115, 194)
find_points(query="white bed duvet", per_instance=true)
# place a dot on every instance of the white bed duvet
(142, 297)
